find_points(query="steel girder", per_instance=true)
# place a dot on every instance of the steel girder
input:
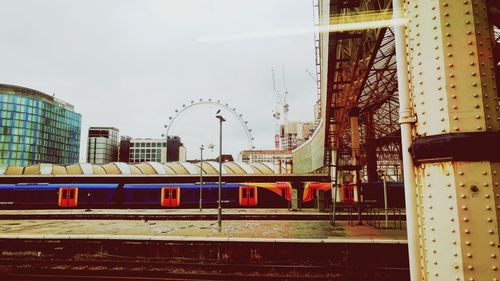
(362, 76)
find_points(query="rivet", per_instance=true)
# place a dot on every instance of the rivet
(467, 243)
(462, 196)
(487, 196)
(488, 208)
(461, 173)
(490, 231)
(466, 220)
(492, 243)
(470, 267)
(493, 256)
(485, 184)
(467, 231)
(489, 219)
(456, 266)
(469, 255)
(478, 117)
(464, 207)
(494, 267)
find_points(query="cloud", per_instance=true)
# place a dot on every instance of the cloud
(130, 64)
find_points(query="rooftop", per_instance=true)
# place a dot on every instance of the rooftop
(34, 94)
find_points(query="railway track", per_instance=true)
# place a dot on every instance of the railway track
(171, 269)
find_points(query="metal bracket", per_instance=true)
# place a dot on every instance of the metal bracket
(471, 146)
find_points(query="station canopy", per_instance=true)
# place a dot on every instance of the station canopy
(145, 168)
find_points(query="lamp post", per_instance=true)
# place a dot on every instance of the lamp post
(219, 213)
(201, 175)
(166, 143)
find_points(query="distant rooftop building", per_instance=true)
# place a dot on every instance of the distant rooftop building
(37, 128)
(293, 134)
(102, 145)
(137, 150)
(278, 158)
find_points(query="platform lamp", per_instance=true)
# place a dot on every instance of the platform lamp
(219, 212)
(166, 140)
(201, 175)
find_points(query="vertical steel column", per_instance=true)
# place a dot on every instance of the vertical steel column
(354, 114)
(456, 138)
(371, 148)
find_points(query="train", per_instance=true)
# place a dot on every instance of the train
(48, 195)
(186, 195)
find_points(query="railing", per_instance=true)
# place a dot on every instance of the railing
(382, 218)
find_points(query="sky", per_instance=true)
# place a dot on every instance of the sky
(130, 64)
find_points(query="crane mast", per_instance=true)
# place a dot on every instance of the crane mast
(281, 106)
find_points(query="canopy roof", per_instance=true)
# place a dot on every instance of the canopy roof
(145, 168)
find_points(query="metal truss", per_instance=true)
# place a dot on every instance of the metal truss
(364, 80)
(362, 76)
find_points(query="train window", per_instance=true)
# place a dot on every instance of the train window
(251, 192)
(174, 193)
(139, 195)
(244, 193)
(71, 194)
(167, 193)
(152, 194)
(64, 193)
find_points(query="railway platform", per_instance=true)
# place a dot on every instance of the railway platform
(189, 214)
(51, 249)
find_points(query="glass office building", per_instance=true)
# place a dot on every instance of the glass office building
(37, 128)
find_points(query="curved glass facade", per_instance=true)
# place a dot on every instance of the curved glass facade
(37, 128)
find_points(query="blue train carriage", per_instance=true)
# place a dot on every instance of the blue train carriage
(45, 195)
(188, 195)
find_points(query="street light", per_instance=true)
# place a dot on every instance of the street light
(219, 213)
(201, 174)
(166, 142)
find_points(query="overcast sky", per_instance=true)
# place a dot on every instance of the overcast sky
(130, 64)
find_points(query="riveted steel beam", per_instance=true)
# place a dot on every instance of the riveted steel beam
(454, 96)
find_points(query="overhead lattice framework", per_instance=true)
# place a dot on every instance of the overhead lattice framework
(362, 76)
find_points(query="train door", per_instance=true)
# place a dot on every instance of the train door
(170, 197)
(248, 196)
(68, 197)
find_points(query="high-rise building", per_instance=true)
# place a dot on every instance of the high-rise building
(102, 145)
(37, 128)
(124, 153)
(151, 150)
(294, 134)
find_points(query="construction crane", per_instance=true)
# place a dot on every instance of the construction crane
(281, 106)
